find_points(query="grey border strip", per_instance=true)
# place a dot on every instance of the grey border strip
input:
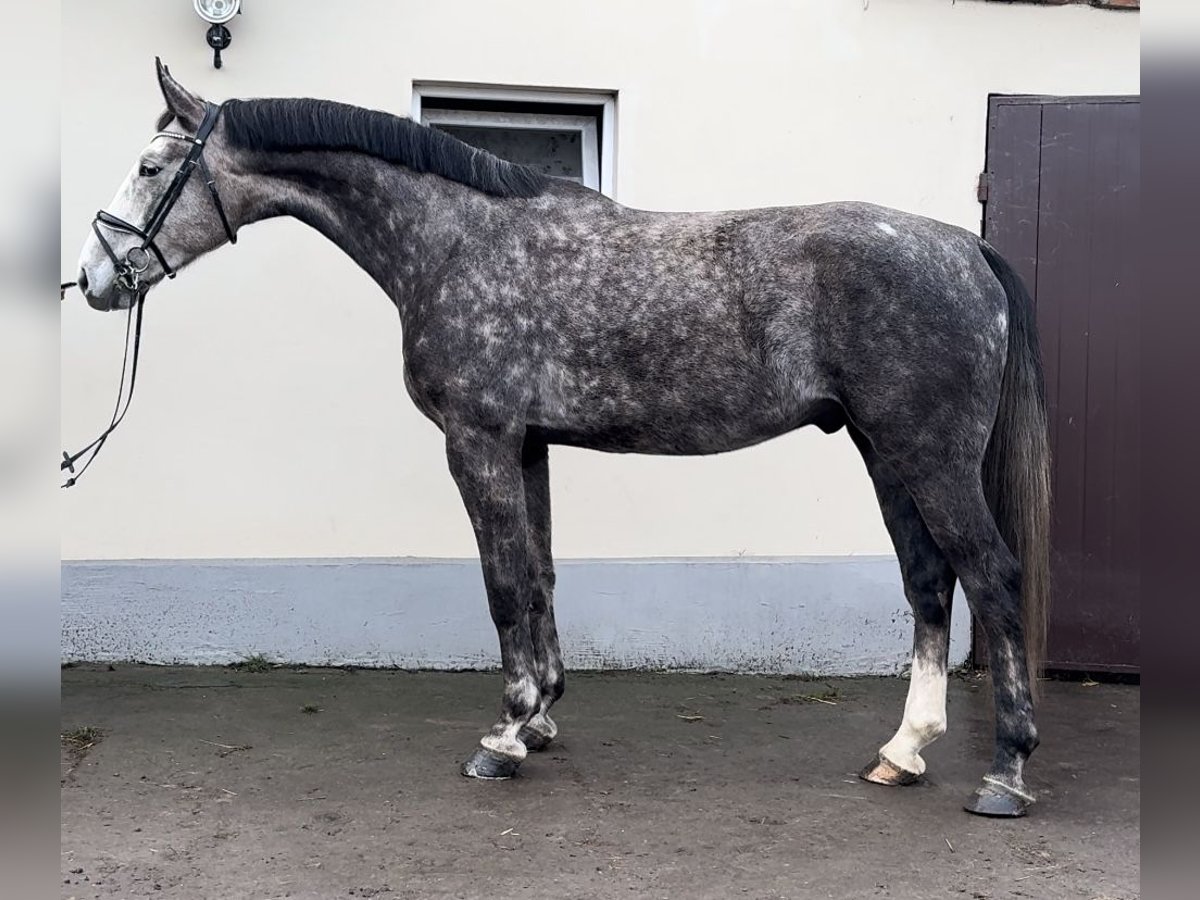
(815, 615)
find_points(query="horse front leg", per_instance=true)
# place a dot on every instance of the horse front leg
(486, 465)
(535, 467)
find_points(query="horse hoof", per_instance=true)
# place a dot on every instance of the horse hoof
(881, 771)
(490, 766)
(998, 802)
(534, 741)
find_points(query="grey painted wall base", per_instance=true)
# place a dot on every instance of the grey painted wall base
(820, 615)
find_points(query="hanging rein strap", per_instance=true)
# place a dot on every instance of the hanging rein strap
(137, 261)
(93, 449)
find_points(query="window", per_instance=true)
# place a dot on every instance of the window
(568, 134)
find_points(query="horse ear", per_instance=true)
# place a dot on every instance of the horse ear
(186, 106)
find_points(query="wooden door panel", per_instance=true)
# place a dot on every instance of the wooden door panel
(1074, 200)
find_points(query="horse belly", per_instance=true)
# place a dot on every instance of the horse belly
(675, 419)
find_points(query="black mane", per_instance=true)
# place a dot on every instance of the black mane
(304, 124)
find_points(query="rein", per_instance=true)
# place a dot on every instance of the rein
(137, 260)
(69, 459)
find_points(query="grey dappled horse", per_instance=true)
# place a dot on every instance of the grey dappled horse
(537, 312)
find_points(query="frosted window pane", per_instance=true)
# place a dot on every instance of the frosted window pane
(558, 153)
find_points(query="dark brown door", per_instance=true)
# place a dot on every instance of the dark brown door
(1061, 203)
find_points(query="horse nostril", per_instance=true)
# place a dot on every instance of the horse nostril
(83, 281)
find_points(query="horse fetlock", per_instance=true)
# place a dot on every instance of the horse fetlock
(522, 699)
(554, 685)
(538, 732)
(903, 755)
(920, 728)
(927, 729)
(1017, 738)
(499, 755)
(506, 745)
(1029, 740)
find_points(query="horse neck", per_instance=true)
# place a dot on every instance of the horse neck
(399, 227)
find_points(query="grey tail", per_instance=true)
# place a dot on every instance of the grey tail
(1016, 466)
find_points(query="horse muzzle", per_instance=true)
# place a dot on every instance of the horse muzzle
(112, 297)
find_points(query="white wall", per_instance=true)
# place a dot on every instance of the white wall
(271, 420)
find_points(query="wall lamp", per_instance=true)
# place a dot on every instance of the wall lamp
(217, 13)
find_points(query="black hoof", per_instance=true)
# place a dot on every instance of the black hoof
(492, 766)
(997, 802)
(534, 741)
(883, 772)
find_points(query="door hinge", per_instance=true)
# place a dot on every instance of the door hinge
(981, 187)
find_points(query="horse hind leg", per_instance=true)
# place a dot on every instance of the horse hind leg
(956, 513)
(541, 729)
(929, 586)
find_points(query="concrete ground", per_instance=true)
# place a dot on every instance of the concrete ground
(329, 784)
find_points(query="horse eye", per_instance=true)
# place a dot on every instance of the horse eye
(148, 171)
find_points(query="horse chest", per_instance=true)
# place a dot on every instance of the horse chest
(423, 393)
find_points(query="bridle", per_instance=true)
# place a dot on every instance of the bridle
(137, 260)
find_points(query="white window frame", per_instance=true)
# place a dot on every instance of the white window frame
(602, 176)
